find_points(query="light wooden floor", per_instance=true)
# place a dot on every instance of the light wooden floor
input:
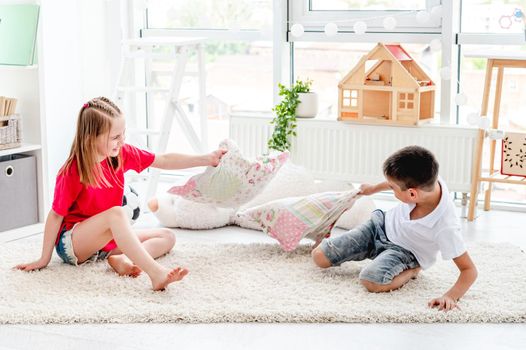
(492, 226)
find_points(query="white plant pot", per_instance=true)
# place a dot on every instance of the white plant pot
(308, 106)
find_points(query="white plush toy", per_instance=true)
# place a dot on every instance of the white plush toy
(290, 181)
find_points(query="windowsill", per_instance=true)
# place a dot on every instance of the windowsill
(269, 115)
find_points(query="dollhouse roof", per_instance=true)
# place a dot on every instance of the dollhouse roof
(392, 52)
(398, 52)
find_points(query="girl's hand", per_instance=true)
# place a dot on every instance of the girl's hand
(35, 265)
(444, 303)
(215, 157)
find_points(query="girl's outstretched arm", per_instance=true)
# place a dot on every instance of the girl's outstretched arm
(51, 228)
(171, 161)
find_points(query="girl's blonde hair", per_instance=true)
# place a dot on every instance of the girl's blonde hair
(95, 119)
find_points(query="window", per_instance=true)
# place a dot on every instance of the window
(238, 55)
(496, 16)
(314, 14)
(391, 5)
(245, 62)
(231, 15)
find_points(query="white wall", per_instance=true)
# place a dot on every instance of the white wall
(78, 63)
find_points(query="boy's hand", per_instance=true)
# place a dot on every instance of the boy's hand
(444, 303)
(35, 265)
(215, 157)
(367, 189)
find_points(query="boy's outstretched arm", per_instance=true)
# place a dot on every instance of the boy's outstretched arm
(468, 275)
(367, 189)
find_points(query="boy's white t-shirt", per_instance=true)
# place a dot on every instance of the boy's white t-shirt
(425, 237)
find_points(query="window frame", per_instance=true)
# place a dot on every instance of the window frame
(302, 13)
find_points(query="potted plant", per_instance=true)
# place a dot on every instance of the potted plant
(286, 112)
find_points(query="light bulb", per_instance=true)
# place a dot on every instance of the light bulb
(423, 17)
(484, 122)
(389, 23)
(297, 30)
(461, 99)
(436, 13)
(435, 45)
(360, 27)
(331, 29)
(473, 118)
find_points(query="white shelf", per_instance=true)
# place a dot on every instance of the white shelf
(26, 147)
(18, 233)
(11, 67)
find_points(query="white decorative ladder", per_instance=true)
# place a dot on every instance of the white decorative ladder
(180, 48)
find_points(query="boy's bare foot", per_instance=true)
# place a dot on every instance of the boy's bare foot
(123, 266)
(168, 276)
(153, 205)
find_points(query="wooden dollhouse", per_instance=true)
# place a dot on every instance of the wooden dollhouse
(386, 87)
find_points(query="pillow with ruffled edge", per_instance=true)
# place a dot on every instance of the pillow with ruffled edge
(235, 181)
(174, 211)
(295, 181)
(291, 219)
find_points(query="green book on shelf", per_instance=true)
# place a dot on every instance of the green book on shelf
(18, 32)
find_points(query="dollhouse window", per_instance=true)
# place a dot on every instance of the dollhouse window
(354, 98)
(350, 98)
(406, 100)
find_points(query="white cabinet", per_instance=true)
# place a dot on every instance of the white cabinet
(24, 83)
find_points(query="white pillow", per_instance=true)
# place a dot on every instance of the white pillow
(235, 181)
(175, 211)
(358, 214)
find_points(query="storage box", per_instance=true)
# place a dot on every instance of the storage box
(10, 131)
(18, 191)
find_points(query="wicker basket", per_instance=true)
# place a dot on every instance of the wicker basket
(10, 131)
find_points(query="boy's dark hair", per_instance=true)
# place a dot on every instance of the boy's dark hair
(412, 167)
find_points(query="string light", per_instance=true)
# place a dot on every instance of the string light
(436, 13)
(461, 99)
(360, 27)
(435, 45)
(423, 17)
(297, 30)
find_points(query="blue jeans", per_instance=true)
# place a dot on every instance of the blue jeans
(64, 249)
(369, 241)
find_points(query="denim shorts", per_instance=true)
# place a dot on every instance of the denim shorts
(64, 249)
(369, 241)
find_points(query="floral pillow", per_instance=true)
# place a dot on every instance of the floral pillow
(291, 219)
(235, 181)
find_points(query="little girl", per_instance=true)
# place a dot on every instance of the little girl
(87, 222)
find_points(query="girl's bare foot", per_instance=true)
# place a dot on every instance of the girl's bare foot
(123, 266)
(168, 276)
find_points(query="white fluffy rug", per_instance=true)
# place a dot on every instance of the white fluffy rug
(254, 283)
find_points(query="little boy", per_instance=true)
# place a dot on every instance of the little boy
(408, 237)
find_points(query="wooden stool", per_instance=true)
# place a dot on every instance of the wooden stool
(500, 61)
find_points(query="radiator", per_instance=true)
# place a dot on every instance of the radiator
(355, 152)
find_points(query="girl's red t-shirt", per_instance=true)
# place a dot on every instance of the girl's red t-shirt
(77, 202)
